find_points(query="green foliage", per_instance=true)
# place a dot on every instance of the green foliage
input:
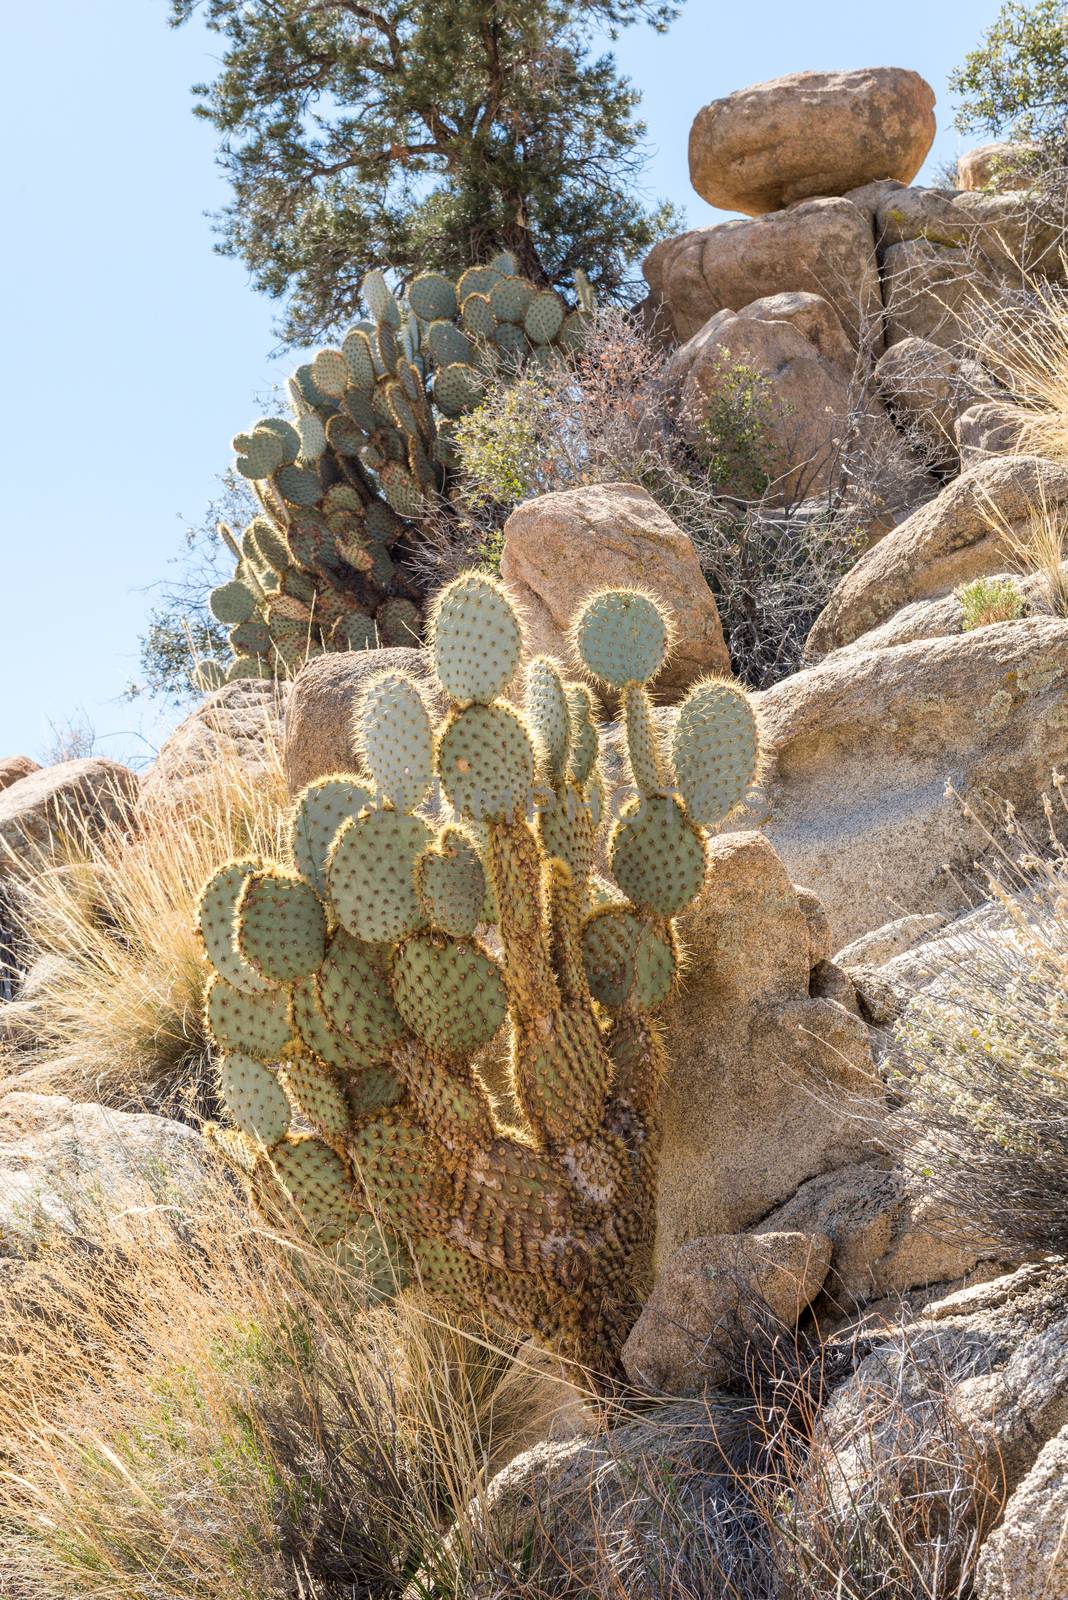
(987, 600)
(376, 1035)
(425, 133)
(1016, 81)
(735, 430)
(369, 449)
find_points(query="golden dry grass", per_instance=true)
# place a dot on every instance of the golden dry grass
(1026, 346)
(217, 1412)
(118, 1015)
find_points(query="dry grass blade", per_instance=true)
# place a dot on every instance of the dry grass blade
(117, 1005)
(1040, 546)
(214, 1411)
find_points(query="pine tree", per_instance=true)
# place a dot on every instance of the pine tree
(425, 133)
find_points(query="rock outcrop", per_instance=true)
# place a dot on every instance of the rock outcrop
(927, 388)
(77, 799)
(739, 1140)
(12, 768)
(947, 542)
(560, 547)
(235, 727)
(1026, 1557)
(809, 134)
(712, 1296)
(991, 165)
(822, 247)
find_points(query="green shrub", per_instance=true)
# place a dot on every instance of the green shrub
(987, 600)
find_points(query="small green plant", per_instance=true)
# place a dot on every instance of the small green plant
(1015, 82)
(987, 600)
(735, 431)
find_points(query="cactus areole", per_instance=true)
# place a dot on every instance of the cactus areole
(360, 987)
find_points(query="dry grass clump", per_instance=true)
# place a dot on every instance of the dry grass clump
(217, 1412)
(116, 1013)
(983, 1055)
(1025, 344)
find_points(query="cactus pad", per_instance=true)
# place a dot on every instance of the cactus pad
(511, 298)
(372, 875)
(251, 1024)
(451, 882)
(449, 992)
(643, 750)
(715, 750)
(627, 958)
(317, 1181)
(254, 1098)
(622, 637)
(298, 485)
(585, 743)
(218, 925)
(544, 316)
(331, 373)
(321, 810)
(281, 928)
(476, 639)
(397, 740)
(317, 1096)
(389, 1155)
(458, 387)
(259, 453)
(548, 714)
(232, 603)
(486, 762)
(658, 857)
(432, 296)
(356, 998)
(447, 343)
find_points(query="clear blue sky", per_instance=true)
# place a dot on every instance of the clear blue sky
(133, 352)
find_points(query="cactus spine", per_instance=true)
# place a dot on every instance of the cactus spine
(370, 1010)
(369, 451)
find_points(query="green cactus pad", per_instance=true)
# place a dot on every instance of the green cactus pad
(544, 316)
(383, 524)
(218, 925)
(394, 1167)
(317, 1181)
(356, 999)
(323, 807)
(258, 453)
(585, 738)
(402, 491)
(356, 348)
(247, 667)
(658, 857)
(451, 882)
(254, 1098)
(566, 829)
(307, 390)
(643, 751)
(331, 373)
(449, 991)
(250, 638)
(358, 632)
(715, 750)
(399, 622)
(512, 342)
(285, 432)
(548, 714)
(574, 333)
(310, 541)
(251, 1024)
(447, 344)
(281, 928)
(371, 1091)
(269, 544)
(299, 486)
(385, 349)
(316, 1094)
(486, 762)
(232, 603)
(397, 739)
(627, 958)
(477, 280)
(208, 675)
(477, 315)
(458, 388)
(511, 297)
(431, 295)
(316, 1031)
(380, 302)
(505, 262)
(622, 637)
(372, 875)
(345, 436)
(312, 437)
(476, 639)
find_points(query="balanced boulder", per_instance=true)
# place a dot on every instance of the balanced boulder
(809, 134)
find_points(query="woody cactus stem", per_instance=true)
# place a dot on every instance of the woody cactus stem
(352, 987)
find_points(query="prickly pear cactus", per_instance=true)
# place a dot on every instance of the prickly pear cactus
(443, 905)
(369, 450)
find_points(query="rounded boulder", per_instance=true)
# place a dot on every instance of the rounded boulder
(810, 134)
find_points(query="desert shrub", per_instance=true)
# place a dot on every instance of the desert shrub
(610, 418)
(982, 1058)
(987, 600)
(213, 1412)
(117, 1009)
(1015, 82)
